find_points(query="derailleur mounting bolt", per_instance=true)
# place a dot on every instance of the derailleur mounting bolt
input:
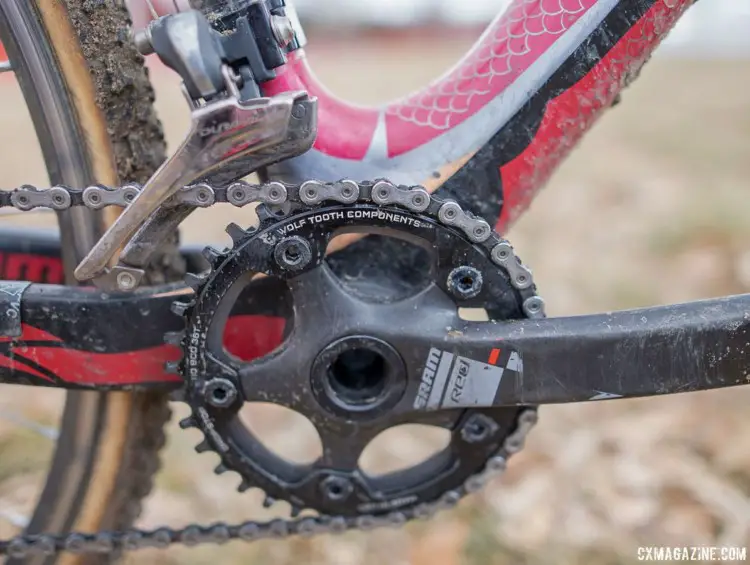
(465, 282)
(293, 253)
(126, 281)
(336, 488)
(220, 393)
(478, 428)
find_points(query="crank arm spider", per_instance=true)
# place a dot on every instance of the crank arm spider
(81, 338)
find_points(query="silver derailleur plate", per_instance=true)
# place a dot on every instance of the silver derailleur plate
(234, 131)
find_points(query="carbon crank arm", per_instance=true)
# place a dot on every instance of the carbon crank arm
(81, 338)
(664, 350)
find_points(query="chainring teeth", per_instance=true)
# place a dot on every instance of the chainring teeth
(460, 221)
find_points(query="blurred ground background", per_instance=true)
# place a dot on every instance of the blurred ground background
(650, 209)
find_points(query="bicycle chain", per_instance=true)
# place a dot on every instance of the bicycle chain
(96, 197)
(240, 194)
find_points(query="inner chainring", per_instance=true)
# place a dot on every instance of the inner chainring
(335, 319)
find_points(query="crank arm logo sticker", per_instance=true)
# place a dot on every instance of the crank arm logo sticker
(451, 381)
(604, 395)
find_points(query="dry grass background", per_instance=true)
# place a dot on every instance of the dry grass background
(652, 208)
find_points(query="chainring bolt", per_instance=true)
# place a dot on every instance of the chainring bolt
(220, 393)
(478, 428)
(465, 282)
(293, 253)
(336, 488)
(533, 307)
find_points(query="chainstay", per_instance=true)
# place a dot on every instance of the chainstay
(240, 194)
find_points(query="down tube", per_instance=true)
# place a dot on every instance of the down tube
(492, 130)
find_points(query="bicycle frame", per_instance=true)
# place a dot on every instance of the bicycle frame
(489, 133)
(492, 130)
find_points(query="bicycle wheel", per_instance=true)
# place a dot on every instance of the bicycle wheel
(90, 101)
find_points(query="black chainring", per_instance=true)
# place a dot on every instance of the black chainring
(328, 309)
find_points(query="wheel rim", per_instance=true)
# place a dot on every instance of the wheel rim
(67, 158)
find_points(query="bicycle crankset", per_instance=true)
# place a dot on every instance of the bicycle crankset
(357, 356)
(357, 363)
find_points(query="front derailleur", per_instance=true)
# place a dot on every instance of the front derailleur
(234, 130)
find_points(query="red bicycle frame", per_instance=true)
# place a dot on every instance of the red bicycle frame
(493, 129)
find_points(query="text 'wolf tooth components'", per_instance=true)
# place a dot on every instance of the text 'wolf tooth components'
(357, 365)
(234, 130)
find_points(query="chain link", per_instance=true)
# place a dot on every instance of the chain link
(96, 197)
(240, 194)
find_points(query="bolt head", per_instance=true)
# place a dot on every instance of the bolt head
(465, 282)
(478, 428)
(220, 393)
(293, 253)
(126, 281)
(336, 488)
